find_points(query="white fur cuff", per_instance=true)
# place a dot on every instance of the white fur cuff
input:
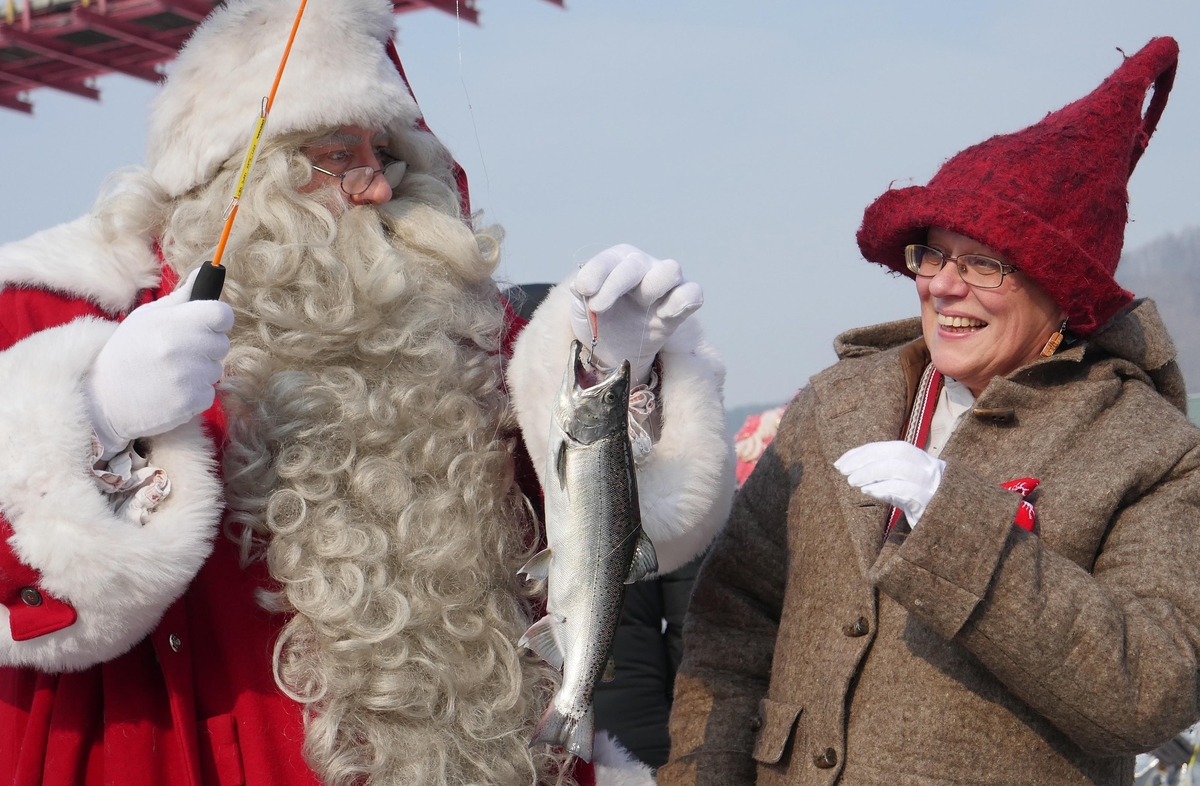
(616, 766)
(686, 483)
(119, 577)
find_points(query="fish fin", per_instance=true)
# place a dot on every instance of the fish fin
(610, 670)
(542, 639)
(538, 567)
(645, 561)
(560, 464)
(576, 735)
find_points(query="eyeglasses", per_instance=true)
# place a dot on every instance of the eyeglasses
(358, 179)
(975, 269)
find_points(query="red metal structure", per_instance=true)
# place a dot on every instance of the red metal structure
(65, 44)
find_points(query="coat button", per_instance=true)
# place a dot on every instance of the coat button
(860, 628)
(175, 642)
(826, 759)
(756, 723)
(31, 597)
(997, 415)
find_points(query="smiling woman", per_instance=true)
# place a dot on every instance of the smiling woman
(981, 598)
(976, 320)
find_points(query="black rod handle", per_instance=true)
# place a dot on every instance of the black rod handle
(209, 282)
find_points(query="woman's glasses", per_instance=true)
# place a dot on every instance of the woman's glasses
(975, 269)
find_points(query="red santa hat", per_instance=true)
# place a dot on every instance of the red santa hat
(342, 71)
(1052, 198)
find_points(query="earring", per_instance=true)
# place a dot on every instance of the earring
(1055, 339)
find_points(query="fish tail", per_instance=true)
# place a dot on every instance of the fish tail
(576, 735)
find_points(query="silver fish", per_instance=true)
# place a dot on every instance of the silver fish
(595, 547)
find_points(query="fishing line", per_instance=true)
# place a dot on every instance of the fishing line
(471, 107)
(624, 539)
(646, 326)
(487, 179)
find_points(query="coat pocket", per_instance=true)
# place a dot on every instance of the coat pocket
(778, 722)
(220, 752)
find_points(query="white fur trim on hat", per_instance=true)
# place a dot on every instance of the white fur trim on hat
(338, 74)
(118, 576)
(686, 483)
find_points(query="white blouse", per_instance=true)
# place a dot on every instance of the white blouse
(953, 402)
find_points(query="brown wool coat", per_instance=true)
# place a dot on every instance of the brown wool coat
(969, 651)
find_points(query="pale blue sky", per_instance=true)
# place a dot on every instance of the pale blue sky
(742, 138)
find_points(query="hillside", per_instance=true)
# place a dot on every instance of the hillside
(1168, 271)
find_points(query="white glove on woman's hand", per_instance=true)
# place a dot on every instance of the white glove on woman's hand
(158, 369)
(638, 301)
(895, 472)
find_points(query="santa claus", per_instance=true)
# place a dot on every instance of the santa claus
(313, 580)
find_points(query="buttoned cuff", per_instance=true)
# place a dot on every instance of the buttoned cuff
(32, 612)
(944, 567)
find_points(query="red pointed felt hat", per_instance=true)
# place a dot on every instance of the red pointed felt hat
(1051, 198)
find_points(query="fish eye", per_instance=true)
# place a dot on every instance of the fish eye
(609, 397)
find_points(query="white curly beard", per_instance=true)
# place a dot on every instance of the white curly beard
(370, 458)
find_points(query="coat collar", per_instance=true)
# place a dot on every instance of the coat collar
(1138, 340)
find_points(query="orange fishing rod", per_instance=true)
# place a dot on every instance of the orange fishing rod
(211, 278)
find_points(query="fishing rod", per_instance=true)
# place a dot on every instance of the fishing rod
(211, 278)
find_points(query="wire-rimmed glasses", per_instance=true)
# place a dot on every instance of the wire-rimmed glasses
(356, 180)
(975, 269)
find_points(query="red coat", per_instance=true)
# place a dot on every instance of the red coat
(193, 703)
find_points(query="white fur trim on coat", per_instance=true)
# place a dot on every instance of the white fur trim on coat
(616, 766)
(76, 259)
(119, 577)
(338, 74)
(686, 484)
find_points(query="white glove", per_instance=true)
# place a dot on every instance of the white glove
(158, 369)
(638, 301)
(896, 472)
